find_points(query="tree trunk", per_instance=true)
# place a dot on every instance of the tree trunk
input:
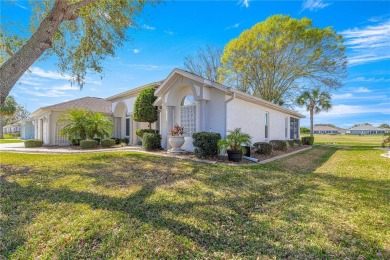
(41, 40)
(311, 122)
(1, 126)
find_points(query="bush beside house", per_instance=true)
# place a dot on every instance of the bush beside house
(33, 143)
(308, 140)
(151, 141)
(88, 144)
(279, 144)
(206, 144)
(263, 148)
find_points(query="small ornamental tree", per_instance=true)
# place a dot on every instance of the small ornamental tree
(144, 110)
(8, 109)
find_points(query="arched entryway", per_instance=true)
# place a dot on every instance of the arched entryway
(120, 122)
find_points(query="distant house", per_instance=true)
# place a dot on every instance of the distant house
(26, 129)
(320, 129)
(367, 130)
(12, 128)
(45, 122)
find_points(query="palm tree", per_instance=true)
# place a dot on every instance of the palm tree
(99, 125)
(75, 126)
(315, 101)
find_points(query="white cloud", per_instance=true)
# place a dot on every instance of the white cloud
(339, 111)
(244, 3)
(169, 32)
(342, 96)
(362, 90)
(21, 6)
(36, 71)
(147, 27)
(313, 5)
(236, 25)
(364, 79)
(369, 43)
(136, 51)
(55, 91)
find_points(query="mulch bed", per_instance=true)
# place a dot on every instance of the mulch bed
(224, 159)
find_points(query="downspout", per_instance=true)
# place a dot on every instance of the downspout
(233, 96)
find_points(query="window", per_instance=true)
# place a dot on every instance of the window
(286, 127)
(188, 115)
(127, 126)
(294, 128)
(266, 124)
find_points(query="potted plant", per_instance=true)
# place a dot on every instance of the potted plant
(176, 139)
(233, 144)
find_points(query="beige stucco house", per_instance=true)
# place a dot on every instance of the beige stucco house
(193, 102)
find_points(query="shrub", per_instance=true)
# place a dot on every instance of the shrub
(88, 144)
(291, 143)
(263, 148)
(297, 142)
(279, 144)
(206, 144)
(97, 140)
(125, 140)
(140, 132)
(151, 141)
(107, 142)
(76, 142)
(308, 140)
(33, 143)
(117, 140)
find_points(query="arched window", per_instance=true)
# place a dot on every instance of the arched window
(188, 115)
(188, 101)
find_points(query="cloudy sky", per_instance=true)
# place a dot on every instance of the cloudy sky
(175, 29)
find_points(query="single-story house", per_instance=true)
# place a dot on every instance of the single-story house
(11, 128)
(367, 130)
(320, 129)
(26, 129)
(193, 102)
(45, 119)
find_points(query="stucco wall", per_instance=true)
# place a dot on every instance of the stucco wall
(215, 112)
(250, 118)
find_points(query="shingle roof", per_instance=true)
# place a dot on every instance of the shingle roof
(366, 127)
(325, 128)
(88, 103)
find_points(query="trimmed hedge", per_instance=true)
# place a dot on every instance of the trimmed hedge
(308, 140)
(76, 142)
(88, 144)
(151, 141)
(297, 142)
(263, 148)
(33, 143)
(97, 140)
(291, 143)
(279, 144)
(140, 132)
(107, 143)
(206, 144)
(117, 140)
(125, 140)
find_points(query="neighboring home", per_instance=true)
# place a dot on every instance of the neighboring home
(12, 128)
(45, 122)
(198, 105)
(26, 129)
(367, 130)
(321, 129)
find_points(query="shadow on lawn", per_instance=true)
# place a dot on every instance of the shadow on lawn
(236, 233)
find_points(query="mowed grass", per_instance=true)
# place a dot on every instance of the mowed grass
(322, 203)
(351, 141)
(9, 139)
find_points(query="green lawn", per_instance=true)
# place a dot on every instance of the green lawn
(352, 141)
(9, 139)
(322, 203)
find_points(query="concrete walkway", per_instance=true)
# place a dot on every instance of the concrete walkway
(19, 148)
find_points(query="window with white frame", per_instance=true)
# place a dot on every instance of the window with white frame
(286, 127)
(266, 125)
(294, 128)
(188, 115)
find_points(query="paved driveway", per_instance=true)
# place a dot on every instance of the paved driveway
(12, 145)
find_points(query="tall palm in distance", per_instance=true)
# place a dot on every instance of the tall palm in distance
(315, 102)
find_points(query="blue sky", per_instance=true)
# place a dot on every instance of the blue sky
(174, 29)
